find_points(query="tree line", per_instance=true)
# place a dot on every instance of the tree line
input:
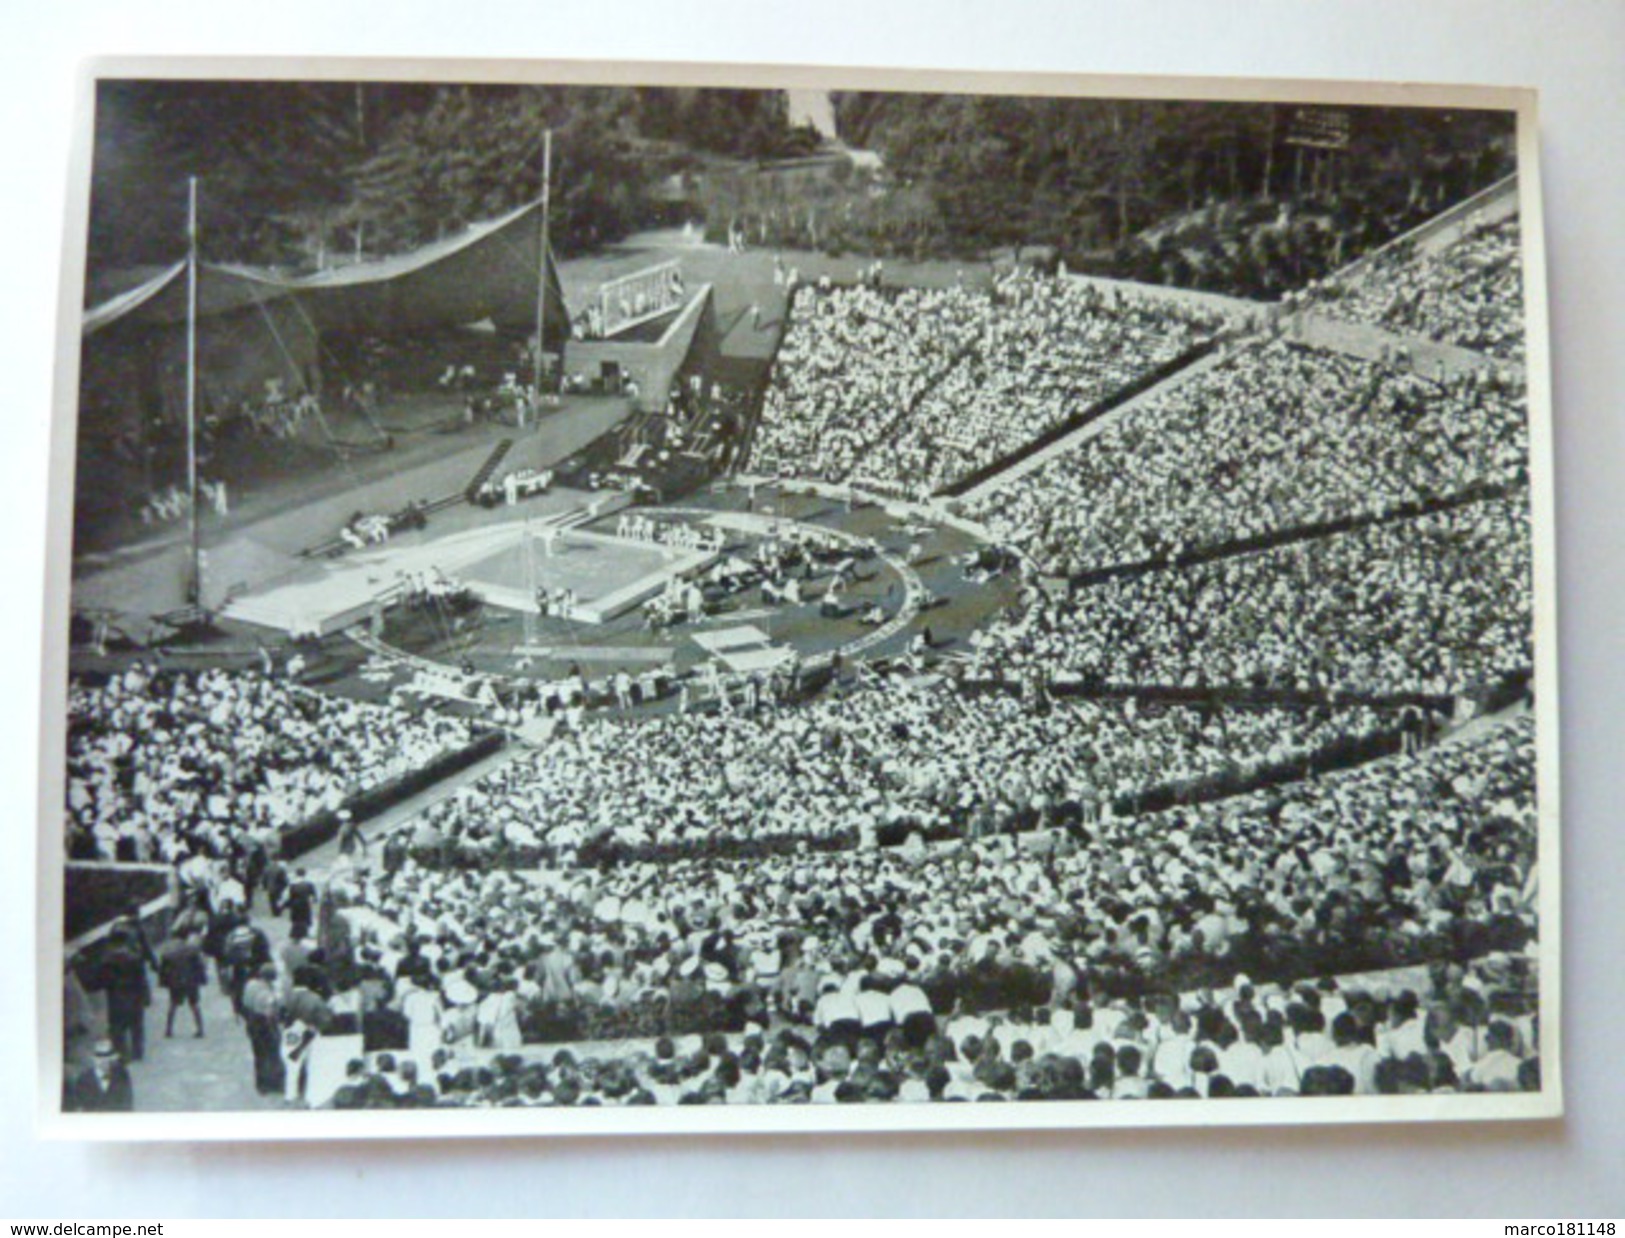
(1246, 197)
(310, 174)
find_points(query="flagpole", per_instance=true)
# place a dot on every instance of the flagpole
(194, 579)
(541, 275)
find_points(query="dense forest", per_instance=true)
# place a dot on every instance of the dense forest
(1234, 196)
(303, 174)
(1251, 198)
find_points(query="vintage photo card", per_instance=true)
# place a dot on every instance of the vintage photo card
(628, 597)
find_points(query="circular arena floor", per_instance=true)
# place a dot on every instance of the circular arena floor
(913, 573)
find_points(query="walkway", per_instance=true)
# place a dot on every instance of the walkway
(1429, 358)
(322, 860)
(185, 1074)
(1084, 433)
(280, 522)
(215, 1073)
(1289, 535)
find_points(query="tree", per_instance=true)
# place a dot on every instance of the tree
(474, 154)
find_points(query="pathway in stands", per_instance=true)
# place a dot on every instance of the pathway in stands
(1084, 433)
(1239, 309)
(1463, 732)
(323, 859)
(1430, 358)
(1290, 535)
(216, 1073)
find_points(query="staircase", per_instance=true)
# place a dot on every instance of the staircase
(488, 469)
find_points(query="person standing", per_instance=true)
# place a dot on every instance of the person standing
(497, 1017)
(262, 1011)
(256, 859)
(422, 1007)
(351, 839)
(243, 952)
(300, 902)
(395, 853)
(275, 882)
(102, 1088)
(182, 972)
(303, 1017)
(123, 979)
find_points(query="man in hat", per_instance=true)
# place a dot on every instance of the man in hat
(104, 1087)
(123, 978)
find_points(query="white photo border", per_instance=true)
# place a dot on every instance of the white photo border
(1546, 1104)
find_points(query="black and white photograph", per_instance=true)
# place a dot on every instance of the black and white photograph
(614, 597)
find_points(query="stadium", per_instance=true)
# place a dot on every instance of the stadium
(712, 667)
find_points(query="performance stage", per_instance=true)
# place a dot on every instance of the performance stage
(605, 576)
(507, 561)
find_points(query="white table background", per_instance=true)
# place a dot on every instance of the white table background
(1573, 50)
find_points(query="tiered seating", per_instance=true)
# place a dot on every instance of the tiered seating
(1438, 604)
(963, 885)
(1468, 293)
(920, 390)
(162, 766)
(1418, 857)
(1273, 438)
(875, 763)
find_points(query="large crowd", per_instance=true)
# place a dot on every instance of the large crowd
(1437, 604)
(1469, 293)
(860, 766)
(1463, 1030)
(913, 389)
(1130, 958)
(166, 764)
(976, 880)
(1275, 436)
(1417, 858)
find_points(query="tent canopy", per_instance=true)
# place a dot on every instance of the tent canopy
(487, 271)
(161, 300)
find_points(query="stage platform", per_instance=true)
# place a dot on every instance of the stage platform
(608, 575)
(745, 649)
(505, 561)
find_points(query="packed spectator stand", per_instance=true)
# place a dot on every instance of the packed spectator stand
(908, 390)
(165, 764)
(868, 765)
(1424, 856)
(1275, 436)
(1438, 604)
(1103, 851)
(1469, 293)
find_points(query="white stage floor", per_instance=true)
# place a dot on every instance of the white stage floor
(606, 574)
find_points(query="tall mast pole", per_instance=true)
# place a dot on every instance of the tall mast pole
(542, 263)
(194, 577)
(529, 621)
